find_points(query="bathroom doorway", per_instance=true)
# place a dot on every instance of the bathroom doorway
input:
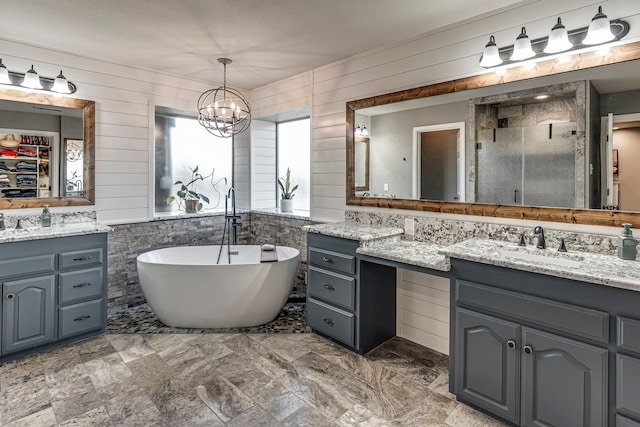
(622, 155)
(438, 166)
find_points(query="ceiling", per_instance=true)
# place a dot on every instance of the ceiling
(267, 40)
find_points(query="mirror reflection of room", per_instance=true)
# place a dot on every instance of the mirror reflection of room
(34, 155)
(522, 144)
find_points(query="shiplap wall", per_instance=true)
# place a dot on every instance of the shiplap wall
(125, 99)
(263, 164)
(440, 56)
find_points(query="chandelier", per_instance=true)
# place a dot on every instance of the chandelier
(224, 111)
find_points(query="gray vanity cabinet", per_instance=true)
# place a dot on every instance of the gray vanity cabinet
(28, 309)
(487, 363)
(338, 307)
(557, 369)
(53, 292)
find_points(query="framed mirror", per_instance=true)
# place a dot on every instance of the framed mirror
(580, 129)
(47, 150)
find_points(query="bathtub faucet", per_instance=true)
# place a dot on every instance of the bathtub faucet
(232, 217)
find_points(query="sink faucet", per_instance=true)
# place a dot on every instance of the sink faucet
(538, 231)
(1, 221)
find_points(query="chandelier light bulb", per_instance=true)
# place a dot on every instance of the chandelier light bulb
(599, 29)
(491, 54)
(558, 39)
(522, 47)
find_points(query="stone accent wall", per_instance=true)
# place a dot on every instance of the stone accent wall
(128, 241)
(283, 230)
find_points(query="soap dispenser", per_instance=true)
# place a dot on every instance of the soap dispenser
(626, 244)
(45, 217)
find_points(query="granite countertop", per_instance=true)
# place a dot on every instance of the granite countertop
(583, 266)
(362, 233)
(35, 233)
(409, 252)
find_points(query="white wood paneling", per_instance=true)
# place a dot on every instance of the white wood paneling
(423, 309)
(263, 164)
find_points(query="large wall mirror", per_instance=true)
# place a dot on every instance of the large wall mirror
(545, 144)
(47, 149)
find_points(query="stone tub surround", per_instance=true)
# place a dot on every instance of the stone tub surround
(593, 268)
(127, 241)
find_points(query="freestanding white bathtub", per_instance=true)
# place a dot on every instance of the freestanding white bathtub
(186, 288)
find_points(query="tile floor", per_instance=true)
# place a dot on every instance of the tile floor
(230, 379)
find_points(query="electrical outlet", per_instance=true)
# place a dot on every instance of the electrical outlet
(386, 187)
(409, 226)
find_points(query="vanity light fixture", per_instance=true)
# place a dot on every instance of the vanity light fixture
(522, 48)
(599, 30)
(361, 130)
(224, 111)
(31, 80)
(558, 39)
(559, 42)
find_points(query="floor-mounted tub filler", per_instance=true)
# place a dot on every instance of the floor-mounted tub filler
(187, 288)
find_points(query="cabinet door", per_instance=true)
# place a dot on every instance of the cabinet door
(487, 363)
(564, 382)
(27, 313)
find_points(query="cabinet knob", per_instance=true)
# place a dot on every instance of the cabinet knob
(327, 259)
(511, 344)
(10, 296)
(328, 321)
(329, 287)
(527, 349)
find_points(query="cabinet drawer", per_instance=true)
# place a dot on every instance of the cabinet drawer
(79, 285)
(580, 321)
(628, 386)
(80, 258)
(78, 318)
(331, 321)
(628, 334)
(332, 260)
(625, 422)
(27, 265)
(332, 287)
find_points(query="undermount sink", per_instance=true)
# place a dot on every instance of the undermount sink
(560, 259)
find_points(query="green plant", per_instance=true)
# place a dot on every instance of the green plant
(285, 186)
(187, 191)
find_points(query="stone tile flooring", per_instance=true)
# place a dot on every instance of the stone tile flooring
(141, 319)
(230, 379)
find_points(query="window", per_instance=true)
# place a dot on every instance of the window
(294, 148)
(181, 144)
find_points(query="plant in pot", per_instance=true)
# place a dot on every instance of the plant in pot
(187, 196)
(287, 192)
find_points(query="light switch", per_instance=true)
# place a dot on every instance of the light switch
(409, 226)
(386, 187)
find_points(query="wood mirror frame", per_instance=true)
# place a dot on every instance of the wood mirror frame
(585, 60)
(88, 118)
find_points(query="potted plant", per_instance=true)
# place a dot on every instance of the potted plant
(187, 195)
(286, 201)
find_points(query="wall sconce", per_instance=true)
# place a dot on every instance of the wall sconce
(361, 130)
(31, 80)
(599, 31)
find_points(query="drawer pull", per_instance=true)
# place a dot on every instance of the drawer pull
(511, 344)
(328, 321)
(82, 285)
(329, 287)
(327, 259)
(83, 258)
(527, 349)
(81, 318)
